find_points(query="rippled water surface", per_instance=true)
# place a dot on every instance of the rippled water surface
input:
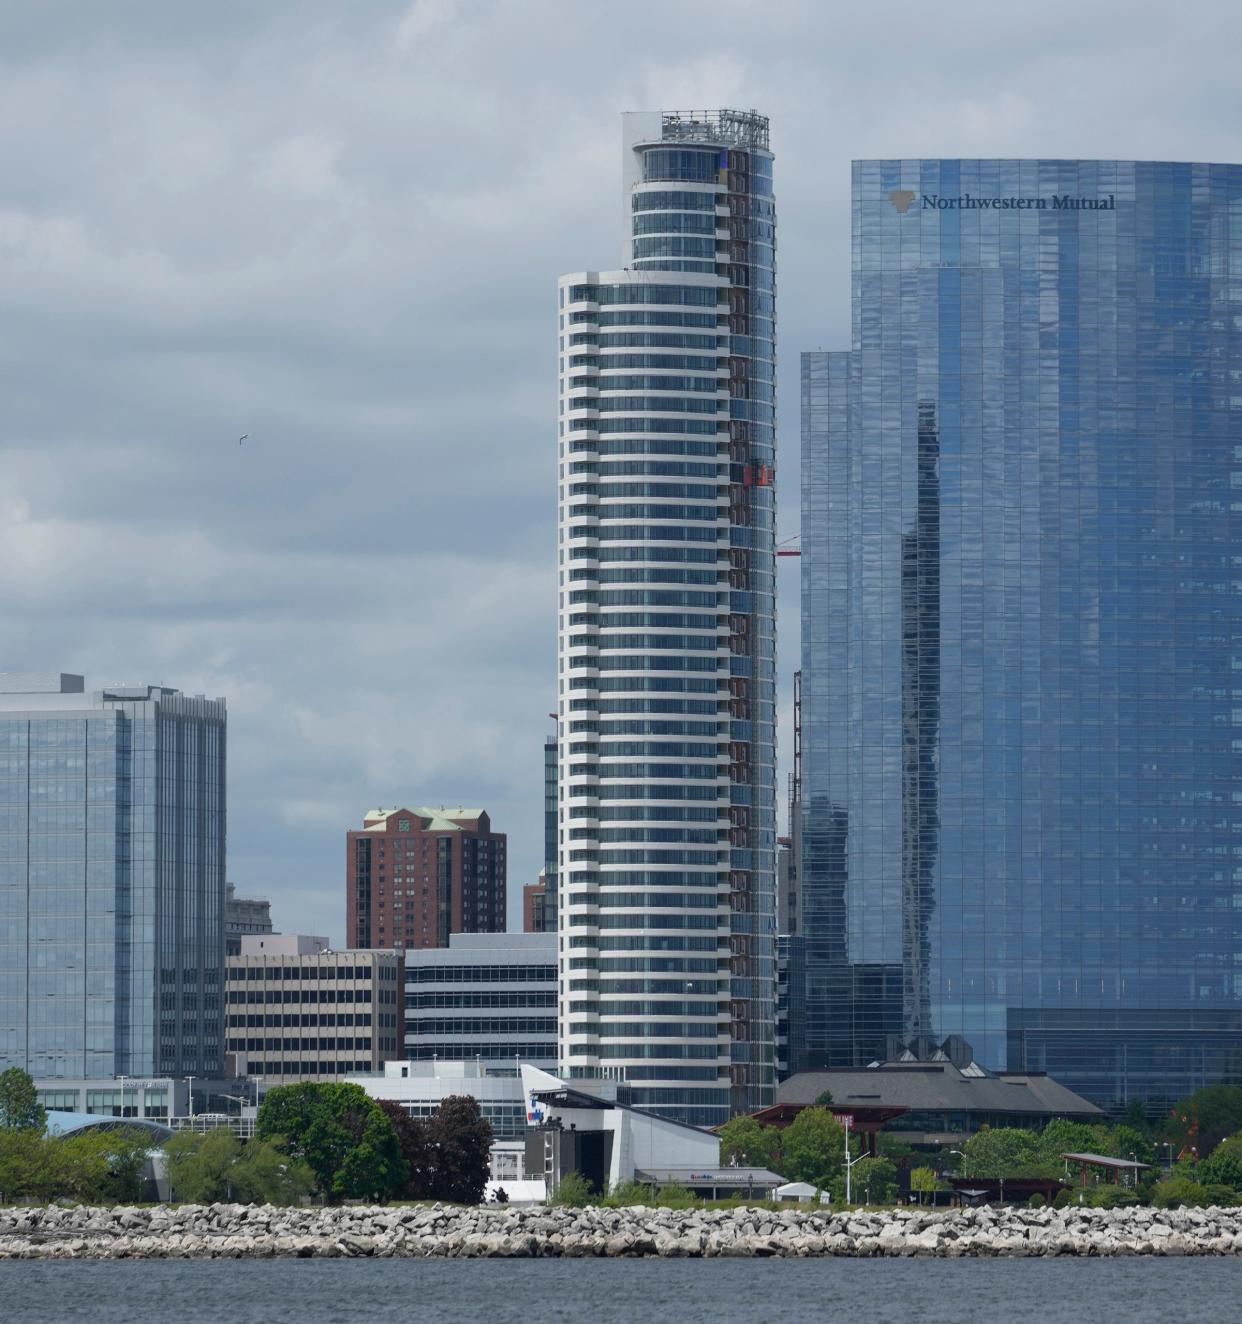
(634, 1291)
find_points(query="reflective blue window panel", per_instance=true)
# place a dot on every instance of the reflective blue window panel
(1022, 712)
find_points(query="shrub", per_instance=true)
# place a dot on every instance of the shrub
(573, 1190)
(629, 1192)
(1223, 1197)
(1174, 1192)
(1062, 1199)
(1109, 1197)
(1036, 1201)
(1223, 1167)
(673, 1195)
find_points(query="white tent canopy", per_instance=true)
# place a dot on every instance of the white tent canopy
(796, 1190)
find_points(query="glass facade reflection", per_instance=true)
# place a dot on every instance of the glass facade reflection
(1022, 712)
(112, 822)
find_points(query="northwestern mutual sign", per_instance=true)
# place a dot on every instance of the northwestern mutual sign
(969, 202)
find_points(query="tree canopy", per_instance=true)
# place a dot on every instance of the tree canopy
(448, 1155)
(1206, 1117)
(461, 1143)
(92, 1165)
(744, 1141)
(20, 1109)
(812, 1147)
(204, 1167)
(1223, 1167)
(342, 1135)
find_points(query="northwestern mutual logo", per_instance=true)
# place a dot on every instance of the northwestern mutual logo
(902, 198)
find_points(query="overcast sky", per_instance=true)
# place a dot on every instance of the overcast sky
(338, 227)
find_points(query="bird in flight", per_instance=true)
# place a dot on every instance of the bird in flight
(242, 438)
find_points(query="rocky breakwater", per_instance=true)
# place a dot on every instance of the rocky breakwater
(256, 1232)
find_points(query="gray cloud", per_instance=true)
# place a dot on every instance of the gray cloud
(338, 228)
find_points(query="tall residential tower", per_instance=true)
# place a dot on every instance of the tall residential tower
(1022, 642)
(667, 830)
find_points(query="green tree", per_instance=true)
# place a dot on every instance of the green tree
(461, 1144)
(20, 1109)
(343, 1136)
(873, 1180)
(924, 1180)
(1223, 1167)
(1061, 1136)
(202, 1167)
(1124, 1140)
(824, 1098)
(207, 1167)
(812, 1147)
(754, 1146)
(266, 1175)
(1135, 1117)
(21, 1161)
(1007, 1151)
(1207, 1116)
(1173, 1192)
(416, 1149)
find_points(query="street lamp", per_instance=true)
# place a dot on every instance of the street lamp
(189, 1081)
(122, 1079)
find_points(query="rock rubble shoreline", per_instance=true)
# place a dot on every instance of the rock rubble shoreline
(230, 1231)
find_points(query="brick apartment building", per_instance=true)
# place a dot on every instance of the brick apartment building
(413, 876)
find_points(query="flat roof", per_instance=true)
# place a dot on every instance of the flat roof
(1105, 1161)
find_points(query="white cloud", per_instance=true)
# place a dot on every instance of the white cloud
(338, 228)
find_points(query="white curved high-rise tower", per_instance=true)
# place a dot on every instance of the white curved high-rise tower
(667, 815)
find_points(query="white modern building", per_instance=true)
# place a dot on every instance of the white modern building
(544, 1128)
(666, 705)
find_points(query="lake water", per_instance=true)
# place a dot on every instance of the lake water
(924, 1291)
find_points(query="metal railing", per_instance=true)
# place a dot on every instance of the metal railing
(735, 128)
(242, 1127)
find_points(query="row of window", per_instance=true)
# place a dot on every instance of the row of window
(306, 1068)
(480, 974)
(300, 1043)
(440, 1026)
(637, 292)
(238, 997)
(309, 973)
(306, 1020)
(526, 997)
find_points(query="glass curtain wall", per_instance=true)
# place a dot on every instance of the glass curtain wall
(1020, 544)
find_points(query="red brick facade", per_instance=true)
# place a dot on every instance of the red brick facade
(413, 876)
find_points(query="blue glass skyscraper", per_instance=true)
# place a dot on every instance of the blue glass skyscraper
(1022, 669)
(112, 834)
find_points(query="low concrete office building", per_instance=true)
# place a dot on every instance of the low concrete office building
(297, 1010)
(489, 998)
